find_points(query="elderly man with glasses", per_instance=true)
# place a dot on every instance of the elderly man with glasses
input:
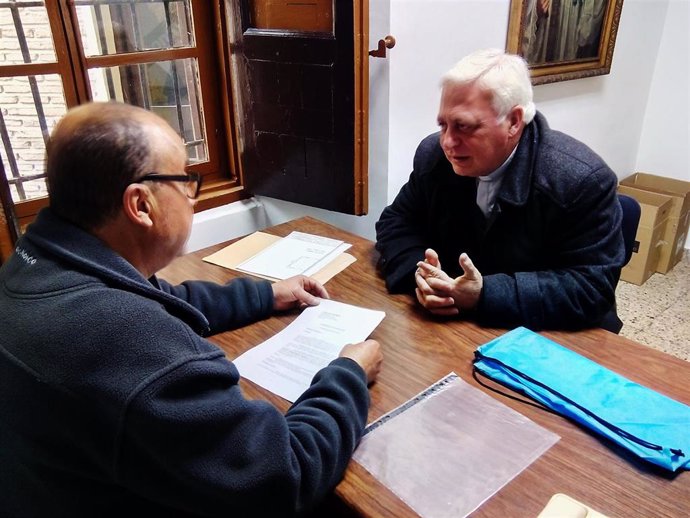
(112, 402)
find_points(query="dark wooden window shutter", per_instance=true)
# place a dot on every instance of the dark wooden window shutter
(302, 99)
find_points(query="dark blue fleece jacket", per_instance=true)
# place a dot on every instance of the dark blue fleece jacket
(112, 403)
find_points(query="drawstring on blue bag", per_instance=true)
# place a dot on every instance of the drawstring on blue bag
(652, 426)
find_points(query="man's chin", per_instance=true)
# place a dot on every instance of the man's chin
(461, 167)
(465, 171)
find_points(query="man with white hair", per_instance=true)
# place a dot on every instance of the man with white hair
(503, 219)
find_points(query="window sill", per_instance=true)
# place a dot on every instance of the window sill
(219, 192)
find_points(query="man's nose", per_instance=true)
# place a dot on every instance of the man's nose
(449, 139)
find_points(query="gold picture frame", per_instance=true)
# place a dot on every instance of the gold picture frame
(564, 39)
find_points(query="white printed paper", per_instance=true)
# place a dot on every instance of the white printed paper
(286, 363)
(297, 253)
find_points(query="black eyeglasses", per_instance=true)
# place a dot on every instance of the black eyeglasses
(192, 181)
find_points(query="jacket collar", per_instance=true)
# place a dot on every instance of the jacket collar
(86, 253)
(517, 181)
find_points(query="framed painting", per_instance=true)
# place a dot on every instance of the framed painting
(564, 39)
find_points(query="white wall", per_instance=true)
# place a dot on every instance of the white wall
(433, 36)
(622, 115)
(665, 137)
(227, 222)
(606, 112)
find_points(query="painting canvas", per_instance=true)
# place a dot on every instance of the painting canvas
(564, 39)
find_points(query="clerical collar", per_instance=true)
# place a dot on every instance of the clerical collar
(489, 185)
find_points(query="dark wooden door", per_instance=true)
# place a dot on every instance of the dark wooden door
(301, 98)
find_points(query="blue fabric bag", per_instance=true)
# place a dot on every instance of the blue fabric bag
(654, 427)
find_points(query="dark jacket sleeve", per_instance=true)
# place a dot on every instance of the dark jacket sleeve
(192, 442)
(229, 306)
(578, 288)
(401, 235)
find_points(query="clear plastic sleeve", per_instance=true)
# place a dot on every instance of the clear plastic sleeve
(450, 448)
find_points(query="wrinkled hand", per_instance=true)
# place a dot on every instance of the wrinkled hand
(297, 291)
(367, 354)
(443, 295)
(435, 302)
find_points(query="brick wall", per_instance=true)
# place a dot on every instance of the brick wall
(17, 101)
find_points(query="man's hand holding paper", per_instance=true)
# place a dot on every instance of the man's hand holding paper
(297, 291)
(286, 363)
(368, 355)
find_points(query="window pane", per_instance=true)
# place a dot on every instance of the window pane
(168, 88)
(135, 25)
(25, 33)
(30, 189)
(31, 107)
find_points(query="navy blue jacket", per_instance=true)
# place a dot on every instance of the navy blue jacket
(112, 403)
(550, 254)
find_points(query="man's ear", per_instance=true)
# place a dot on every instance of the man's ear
(515, 119)
(137, 204)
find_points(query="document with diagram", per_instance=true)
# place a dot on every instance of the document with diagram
(276, 258)
(298, 253)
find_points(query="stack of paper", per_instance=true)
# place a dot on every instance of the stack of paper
(275, 258)
(296, 254)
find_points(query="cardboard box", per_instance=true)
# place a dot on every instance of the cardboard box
(676, 232)
(654, 217)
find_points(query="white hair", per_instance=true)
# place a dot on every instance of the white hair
(505, 76)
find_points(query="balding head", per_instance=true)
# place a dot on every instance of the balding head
(95, 151)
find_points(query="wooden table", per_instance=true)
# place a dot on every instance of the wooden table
(420, 349)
